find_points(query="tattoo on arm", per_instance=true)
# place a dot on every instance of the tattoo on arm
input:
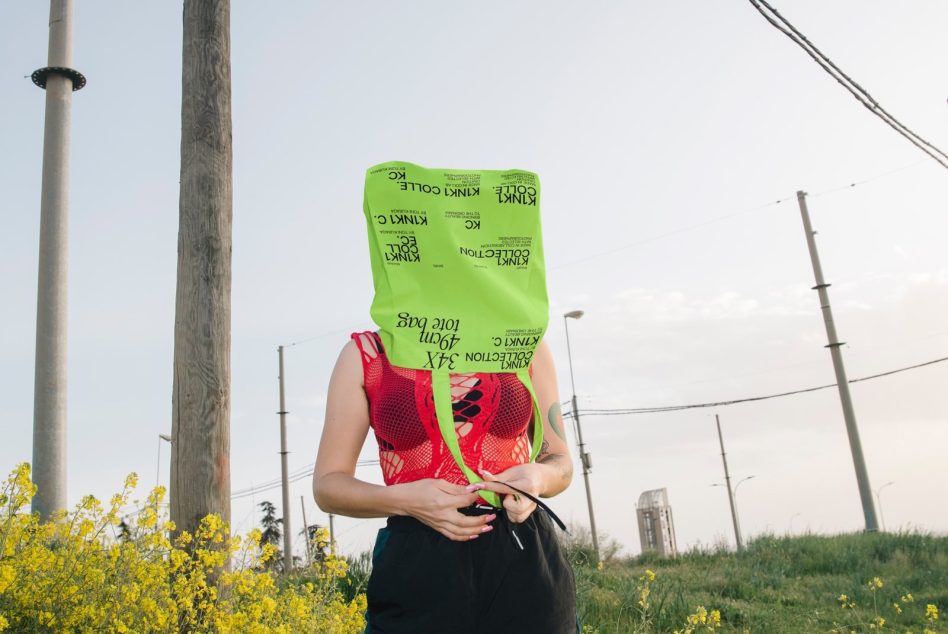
(544, 450)
(555, 460)
(556, 420)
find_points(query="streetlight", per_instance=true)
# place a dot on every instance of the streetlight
(167, 439)
(732, 496)
(584, 457)
(750, 477)
(879, 503)
(719, 484)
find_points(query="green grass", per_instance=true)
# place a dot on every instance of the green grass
(779, 585)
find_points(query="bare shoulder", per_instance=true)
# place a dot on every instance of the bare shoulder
(348, 367)
(543, 358)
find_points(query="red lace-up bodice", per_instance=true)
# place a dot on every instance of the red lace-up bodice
(492, 413)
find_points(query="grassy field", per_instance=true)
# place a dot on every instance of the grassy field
(778, 585)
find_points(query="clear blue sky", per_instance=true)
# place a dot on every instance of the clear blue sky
(663, 133)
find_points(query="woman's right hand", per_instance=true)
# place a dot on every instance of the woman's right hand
(436, 503)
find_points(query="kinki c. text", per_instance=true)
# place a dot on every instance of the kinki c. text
(518, 194)
(405, 250)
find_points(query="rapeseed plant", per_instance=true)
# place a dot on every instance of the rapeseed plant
(78, 573)
(878, 621)
(701, 621)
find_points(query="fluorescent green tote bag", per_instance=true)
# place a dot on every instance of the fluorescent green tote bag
(460, 285)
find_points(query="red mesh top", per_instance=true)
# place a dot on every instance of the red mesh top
(492, 412)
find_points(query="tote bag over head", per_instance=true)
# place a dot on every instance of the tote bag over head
(460, 285)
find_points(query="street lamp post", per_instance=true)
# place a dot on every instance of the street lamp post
(750, 477)
(583, 456)
(879, 503)
(167, 439)
(732, 497)
(736, 510)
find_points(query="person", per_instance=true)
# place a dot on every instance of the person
(462, 400)
(448, 562)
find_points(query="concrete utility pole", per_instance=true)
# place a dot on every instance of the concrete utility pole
(730, 493)
(200, 399)
(309, 554)
(287, 550)
(842, 383)
(332, 536)
(584, 457)
(49, 388)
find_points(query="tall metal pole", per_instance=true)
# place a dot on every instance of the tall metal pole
(309, 554)
(842, 383)
(287, 552)
(730, 493)
(166, 438)
(583, 456)
(737, 510)
(49, 387)
(879, 501)
(158, 464)
(332, 536)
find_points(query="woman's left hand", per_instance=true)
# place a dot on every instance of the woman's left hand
(526, 477)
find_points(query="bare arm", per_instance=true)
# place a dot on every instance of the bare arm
(344, 431)
(337, 490)
(554, 452)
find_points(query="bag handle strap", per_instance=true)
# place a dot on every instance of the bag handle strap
(537, 443)
(441, 390)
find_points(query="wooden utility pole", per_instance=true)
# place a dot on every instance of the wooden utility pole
(200, 401)
(59, 80)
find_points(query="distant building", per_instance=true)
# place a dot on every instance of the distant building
(656, 527)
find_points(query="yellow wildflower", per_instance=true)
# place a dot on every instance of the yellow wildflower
(7, 575)
(72, 575)
(845, 602)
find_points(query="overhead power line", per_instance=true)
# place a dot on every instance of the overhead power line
(861, 94)
(319, 336)
(275, 482)
(676, 408)
(296, 476)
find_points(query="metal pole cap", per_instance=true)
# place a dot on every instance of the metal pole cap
(39, 76)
